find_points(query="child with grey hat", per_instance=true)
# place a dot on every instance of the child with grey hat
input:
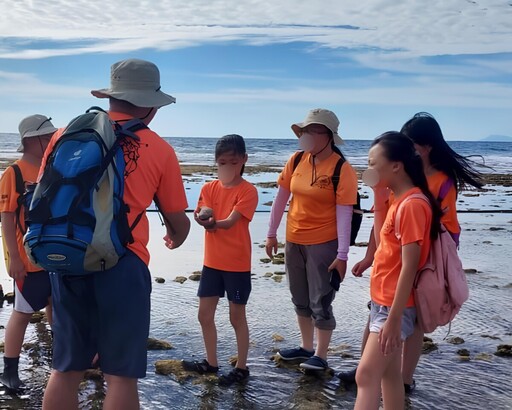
(32, 284)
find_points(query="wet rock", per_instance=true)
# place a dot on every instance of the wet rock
(269, 203)
(484, 356)
(496, 228)
(205, 213)
(265, 260)
(2, 347)
(467, 194)
(93, 374)
(487, 242)
(261, 245)
(470, 271)
(508, 286)
(159, 280)
(155, 344)
(490, 337)
(268, 274)
(233, 360)
(278, 279)
(266, 184)
(428, 345)
(504, 351)
(175, 368)
(37, 317)
(9, 297)
(455, 340)
(280, 272)
(463, 352)
(195, 277)
(279, 255)
(180, 279)
(277, 337)
(277, 261)
(280, 245)
(361, 244)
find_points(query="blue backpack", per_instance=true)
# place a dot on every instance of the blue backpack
(77, 220)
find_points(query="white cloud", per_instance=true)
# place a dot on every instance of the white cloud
(410, 27)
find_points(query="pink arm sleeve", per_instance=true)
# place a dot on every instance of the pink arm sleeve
(343, 224)
(276, 214)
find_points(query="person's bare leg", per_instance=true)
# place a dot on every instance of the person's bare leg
(307, 331)
(15, 333)
(393, 394)
(323, 341)
(122, 393)
(412, 349)
(61, 392)
(206, 316)
(238, 320)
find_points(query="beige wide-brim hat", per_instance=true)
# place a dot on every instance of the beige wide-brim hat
(136, 81)
(320, 116)
(35, 125)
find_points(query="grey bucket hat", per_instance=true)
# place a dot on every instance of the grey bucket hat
(135, 81)
(320, 116)
(35, 126)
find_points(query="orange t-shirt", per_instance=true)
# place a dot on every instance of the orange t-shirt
(152, 168)
(448, 204)
(9, 203)
(415, 221)
(312, 213)
(229, 249)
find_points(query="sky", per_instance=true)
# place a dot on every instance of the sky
(254, 67)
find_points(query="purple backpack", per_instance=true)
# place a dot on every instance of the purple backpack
(440, 287)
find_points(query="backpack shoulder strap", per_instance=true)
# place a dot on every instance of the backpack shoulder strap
(399, 212)
(444, 189)
(20, 189)
(20, 184)
(336, 175)
(297, 159)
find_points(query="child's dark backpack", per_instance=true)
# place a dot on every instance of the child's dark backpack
(77, 221)
(357, 214)
(24, 197)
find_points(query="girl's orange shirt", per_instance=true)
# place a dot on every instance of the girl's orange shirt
(415, 222)
(229, 249)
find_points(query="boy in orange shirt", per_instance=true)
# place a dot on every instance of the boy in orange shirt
(32, 285)
(225, 208)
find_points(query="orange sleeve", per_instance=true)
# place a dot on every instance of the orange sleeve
(204, 196)
(55, 137)
(414, 221)
(347, 187)
(247, 202)
(171, 192)
(8, 194)
(285, 177)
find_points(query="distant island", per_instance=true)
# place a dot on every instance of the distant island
(497, 138)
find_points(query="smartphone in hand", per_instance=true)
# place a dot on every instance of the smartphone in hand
(335, 280)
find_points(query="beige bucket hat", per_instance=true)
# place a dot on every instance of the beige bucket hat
(135, 81)
(35, 126)
(320, 116)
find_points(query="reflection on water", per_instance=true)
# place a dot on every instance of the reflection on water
(443, 380)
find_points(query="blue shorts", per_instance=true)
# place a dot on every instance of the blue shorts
(379, 314)
(33, 292)
(214, 282)
(106, 313)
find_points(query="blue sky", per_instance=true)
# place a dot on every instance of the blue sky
(254, 67)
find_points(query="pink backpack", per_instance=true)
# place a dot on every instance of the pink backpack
(440, 287)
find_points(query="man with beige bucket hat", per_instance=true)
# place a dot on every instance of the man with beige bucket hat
(32, 284)
(108, 312)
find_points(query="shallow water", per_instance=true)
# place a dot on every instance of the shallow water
(443, 380)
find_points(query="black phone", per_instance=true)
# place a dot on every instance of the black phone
(335, 280)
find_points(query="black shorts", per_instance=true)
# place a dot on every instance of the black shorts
(214, 282)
